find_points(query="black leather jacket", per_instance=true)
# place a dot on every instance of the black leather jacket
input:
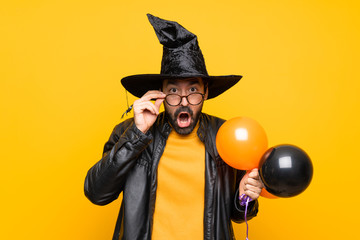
(129, 165)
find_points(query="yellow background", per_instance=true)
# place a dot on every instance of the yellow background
(61, 62)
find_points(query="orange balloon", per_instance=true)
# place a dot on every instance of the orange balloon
(266, 194)
(241, 142)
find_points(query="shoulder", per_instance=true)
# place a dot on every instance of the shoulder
(121, 127)
(209, 126)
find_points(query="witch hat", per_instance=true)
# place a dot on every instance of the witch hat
(182, 58)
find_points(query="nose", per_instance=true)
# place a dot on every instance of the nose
(184, 101)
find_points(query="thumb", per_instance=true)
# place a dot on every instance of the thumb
(254, 173)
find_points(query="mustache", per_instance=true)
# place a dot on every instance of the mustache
(183, 109)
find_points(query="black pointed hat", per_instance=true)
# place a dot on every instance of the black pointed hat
(182, 58)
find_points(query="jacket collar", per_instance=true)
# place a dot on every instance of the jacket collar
(206, 132)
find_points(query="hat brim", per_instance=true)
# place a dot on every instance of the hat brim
(138, 85)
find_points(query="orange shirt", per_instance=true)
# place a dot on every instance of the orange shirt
(179, 206)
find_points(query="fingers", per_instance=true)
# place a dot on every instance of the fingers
(140, 107)
(252, 191)
(252, 188)
(254, 174)
(253, 195)
(144, 103)
(158, 102)
(146, 112)
(154, 94)
(254, 179)
(251, 184)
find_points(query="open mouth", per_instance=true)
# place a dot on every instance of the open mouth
(184, 119)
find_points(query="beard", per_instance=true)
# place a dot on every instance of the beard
(173, 119)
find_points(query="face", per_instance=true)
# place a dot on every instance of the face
(184, 117)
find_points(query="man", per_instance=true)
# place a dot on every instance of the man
(174, 183)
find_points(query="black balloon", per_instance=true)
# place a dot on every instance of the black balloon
(285, 170)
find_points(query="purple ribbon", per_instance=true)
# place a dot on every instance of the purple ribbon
(244, 201)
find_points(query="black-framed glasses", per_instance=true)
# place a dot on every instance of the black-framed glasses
(192, 99)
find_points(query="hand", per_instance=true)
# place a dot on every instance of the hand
(251, 185)
(146, 112)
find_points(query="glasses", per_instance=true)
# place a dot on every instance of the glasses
(192, 98)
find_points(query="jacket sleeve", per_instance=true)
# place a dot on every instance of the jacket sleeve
(238, 213)
(105, 180)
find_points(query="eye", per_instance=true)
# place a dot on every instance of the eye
(172, 90)
(193, 89)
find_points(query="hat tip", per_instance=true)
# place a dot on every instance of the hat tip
(150, 17)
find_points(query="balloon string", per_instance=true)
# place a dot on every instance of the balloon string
(247, 226)
(244, 200)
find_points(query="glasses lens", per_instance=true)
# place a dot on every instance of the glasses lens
(173, 99)
(195, 98)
